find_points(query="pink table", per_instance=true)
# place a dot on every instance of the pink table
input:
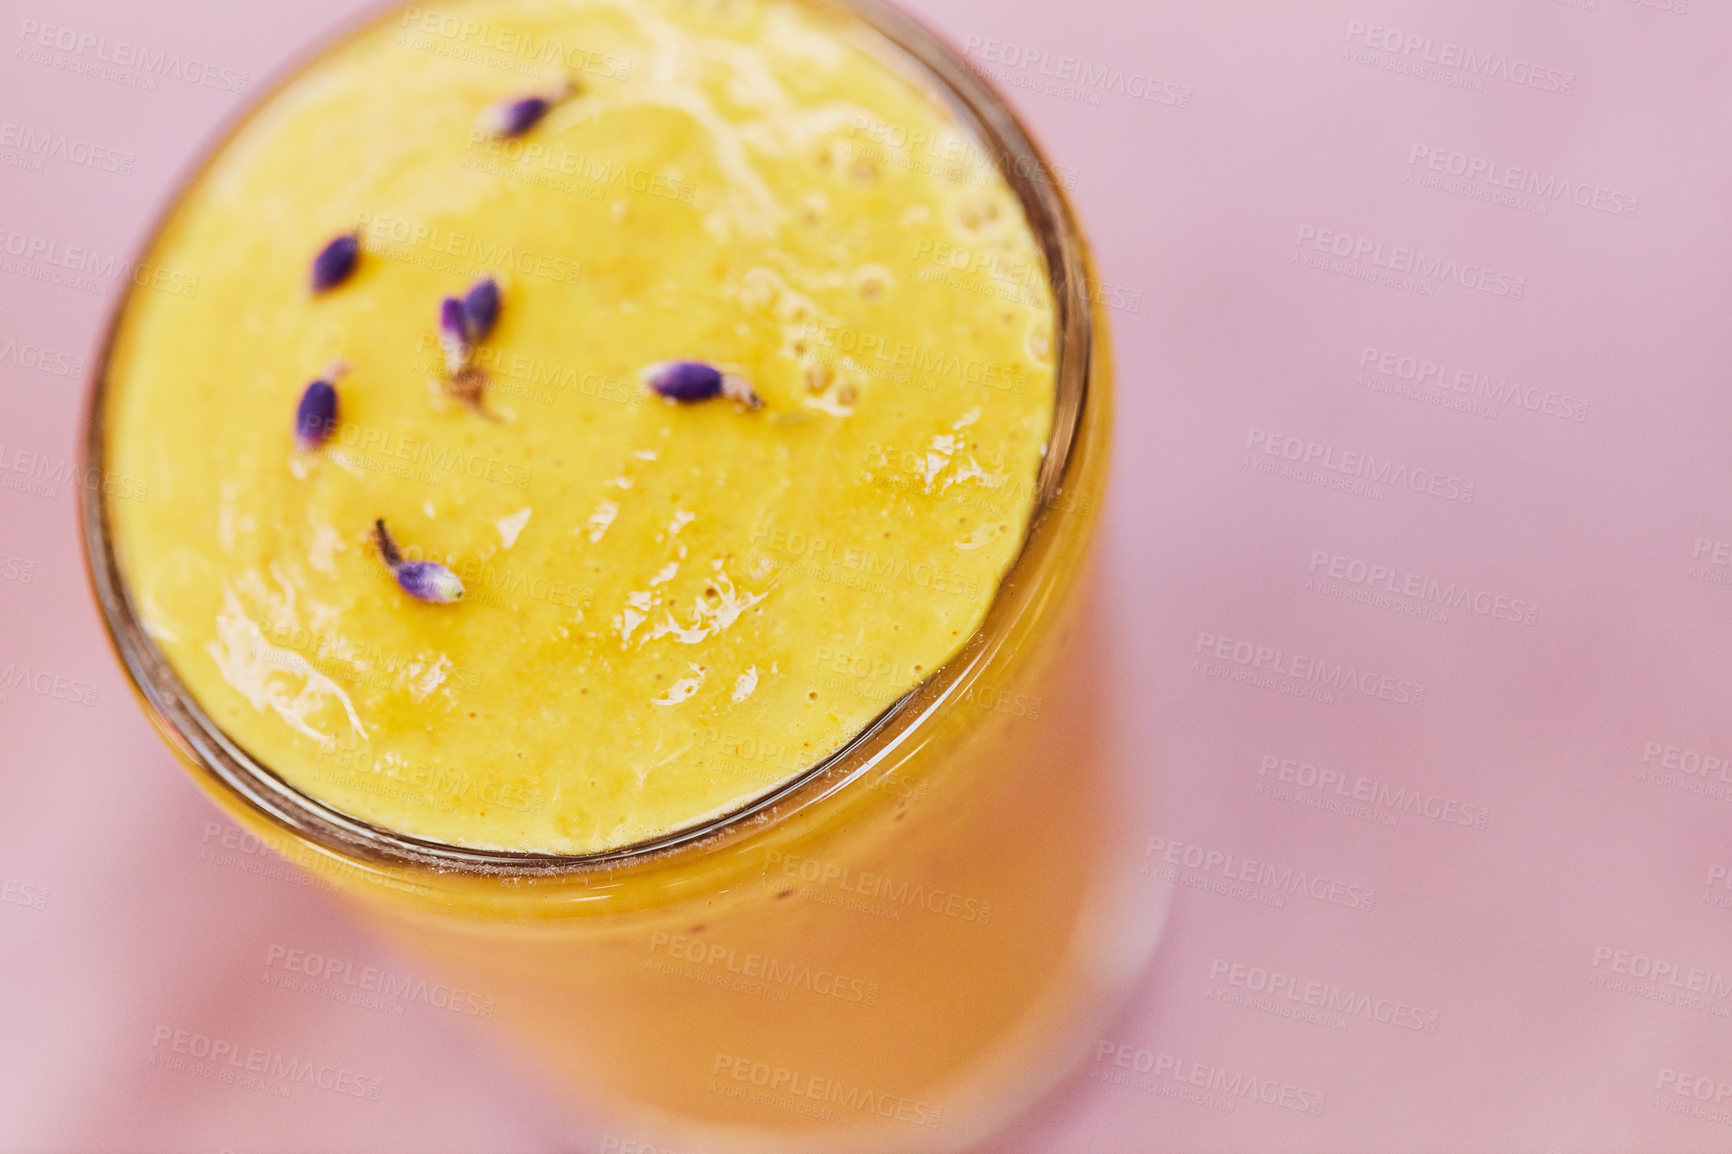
(1421, 546)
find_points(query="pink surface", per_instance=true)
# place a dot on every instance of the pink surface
(1556, 976)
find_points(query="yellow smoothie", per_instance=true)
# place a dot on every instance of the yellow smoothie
(669, 607)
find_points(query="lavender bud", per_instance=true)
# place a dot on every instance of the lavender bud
(481, 309)
(519, 114)
(696, 381)
(454, 333)
(516, 116)
(423, 580)
(429, 581)
(316, 417)
(336, 261)
(684, 380)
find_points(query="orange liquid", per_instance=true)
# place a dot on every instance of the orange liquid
(898, 965)
(895, 956)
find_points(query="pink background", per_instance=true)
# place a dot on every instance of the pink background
(1518, 948)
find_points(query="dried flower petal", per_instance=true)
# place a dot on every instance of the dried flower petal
(336, 261)
(465, 322)
(697, 381)
(454, 333)
(429, 581)
(684, 380)
(426, 581)
(516, 116)
(481, 309)
(316, 416)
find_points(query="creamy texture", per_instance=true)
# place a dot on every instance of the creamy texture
(671, 608)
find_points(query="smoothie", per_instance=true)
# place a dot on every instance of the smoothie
(668, 606)
(592, 417)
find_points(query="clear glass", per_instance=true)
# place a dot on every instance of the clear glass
(895, 951)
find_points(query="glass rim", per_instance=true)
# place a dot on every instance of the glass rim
(899, 42)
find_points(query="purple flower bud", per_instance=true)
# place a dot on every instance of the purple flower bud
(684, 380)
(516, 116)
(519, 114)
(426, 581)
(335, 262)
(696, 381)
(317, 415)
(454, 333)
(429, 581)
(481, 308)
